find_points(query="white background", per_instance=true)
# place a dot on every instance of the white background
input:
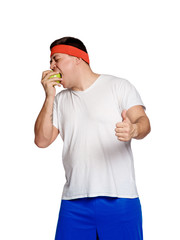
(137, 40)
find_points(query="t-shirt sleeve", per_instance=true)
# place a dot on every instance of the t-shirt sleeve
(55, 112)
(130, 96)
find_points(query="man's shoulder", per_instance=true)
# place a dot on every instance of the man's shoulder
(61, 93)
(115, 79)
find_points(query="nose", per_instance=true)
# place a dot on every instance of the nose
(53, 66)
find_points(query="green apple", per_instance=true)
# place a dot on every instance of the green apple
(56, 75)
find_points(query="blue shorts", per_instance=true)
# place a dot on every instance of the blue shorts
(102, 217)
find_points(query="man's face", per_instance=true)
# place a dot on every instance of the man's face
(64, 64)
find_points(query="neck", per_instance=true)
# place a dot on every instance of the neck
(85, 78)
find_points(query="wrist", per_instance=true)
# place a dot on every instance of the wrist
(136, 130)
(50, 97)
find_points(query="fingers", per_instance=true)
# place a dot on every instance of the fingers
(124, 136)
(123, 131)
(56, 84)
(54, 81)
(46, 78)
(49, 83)
(122, 126)
(123, 139)
(120, 130)
(46, 74)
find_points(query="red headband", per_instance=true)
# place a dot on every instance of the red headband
(70, 50)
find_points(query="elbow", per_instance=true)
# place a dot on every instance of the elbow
(40, 144)
(149, 127)
(145, 131)
(148, 130)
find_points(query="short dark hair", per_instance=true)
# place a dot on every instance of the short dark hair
(75, 42)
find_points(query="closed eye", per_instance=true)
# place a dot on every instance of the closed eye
(56, 59)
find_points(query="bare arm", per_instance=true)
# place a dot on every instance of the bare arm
(135, 124)
(45, 132)
(140, 122)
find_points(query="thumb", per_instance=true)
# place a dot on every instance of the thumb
(125, 117)
(123, 114)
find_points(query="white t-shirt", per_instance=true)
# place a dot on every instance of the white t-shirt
(96, 163)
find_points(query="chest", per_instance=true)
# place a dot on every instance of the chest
(89, 110)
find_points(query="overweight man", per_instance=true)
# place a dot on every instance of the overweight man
(97, 116)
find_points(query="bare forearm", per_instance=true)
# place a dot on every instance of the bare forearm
(141, 127)
(43, 125)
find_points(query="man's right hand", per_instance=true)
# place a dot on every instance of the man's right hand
(49, 83)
